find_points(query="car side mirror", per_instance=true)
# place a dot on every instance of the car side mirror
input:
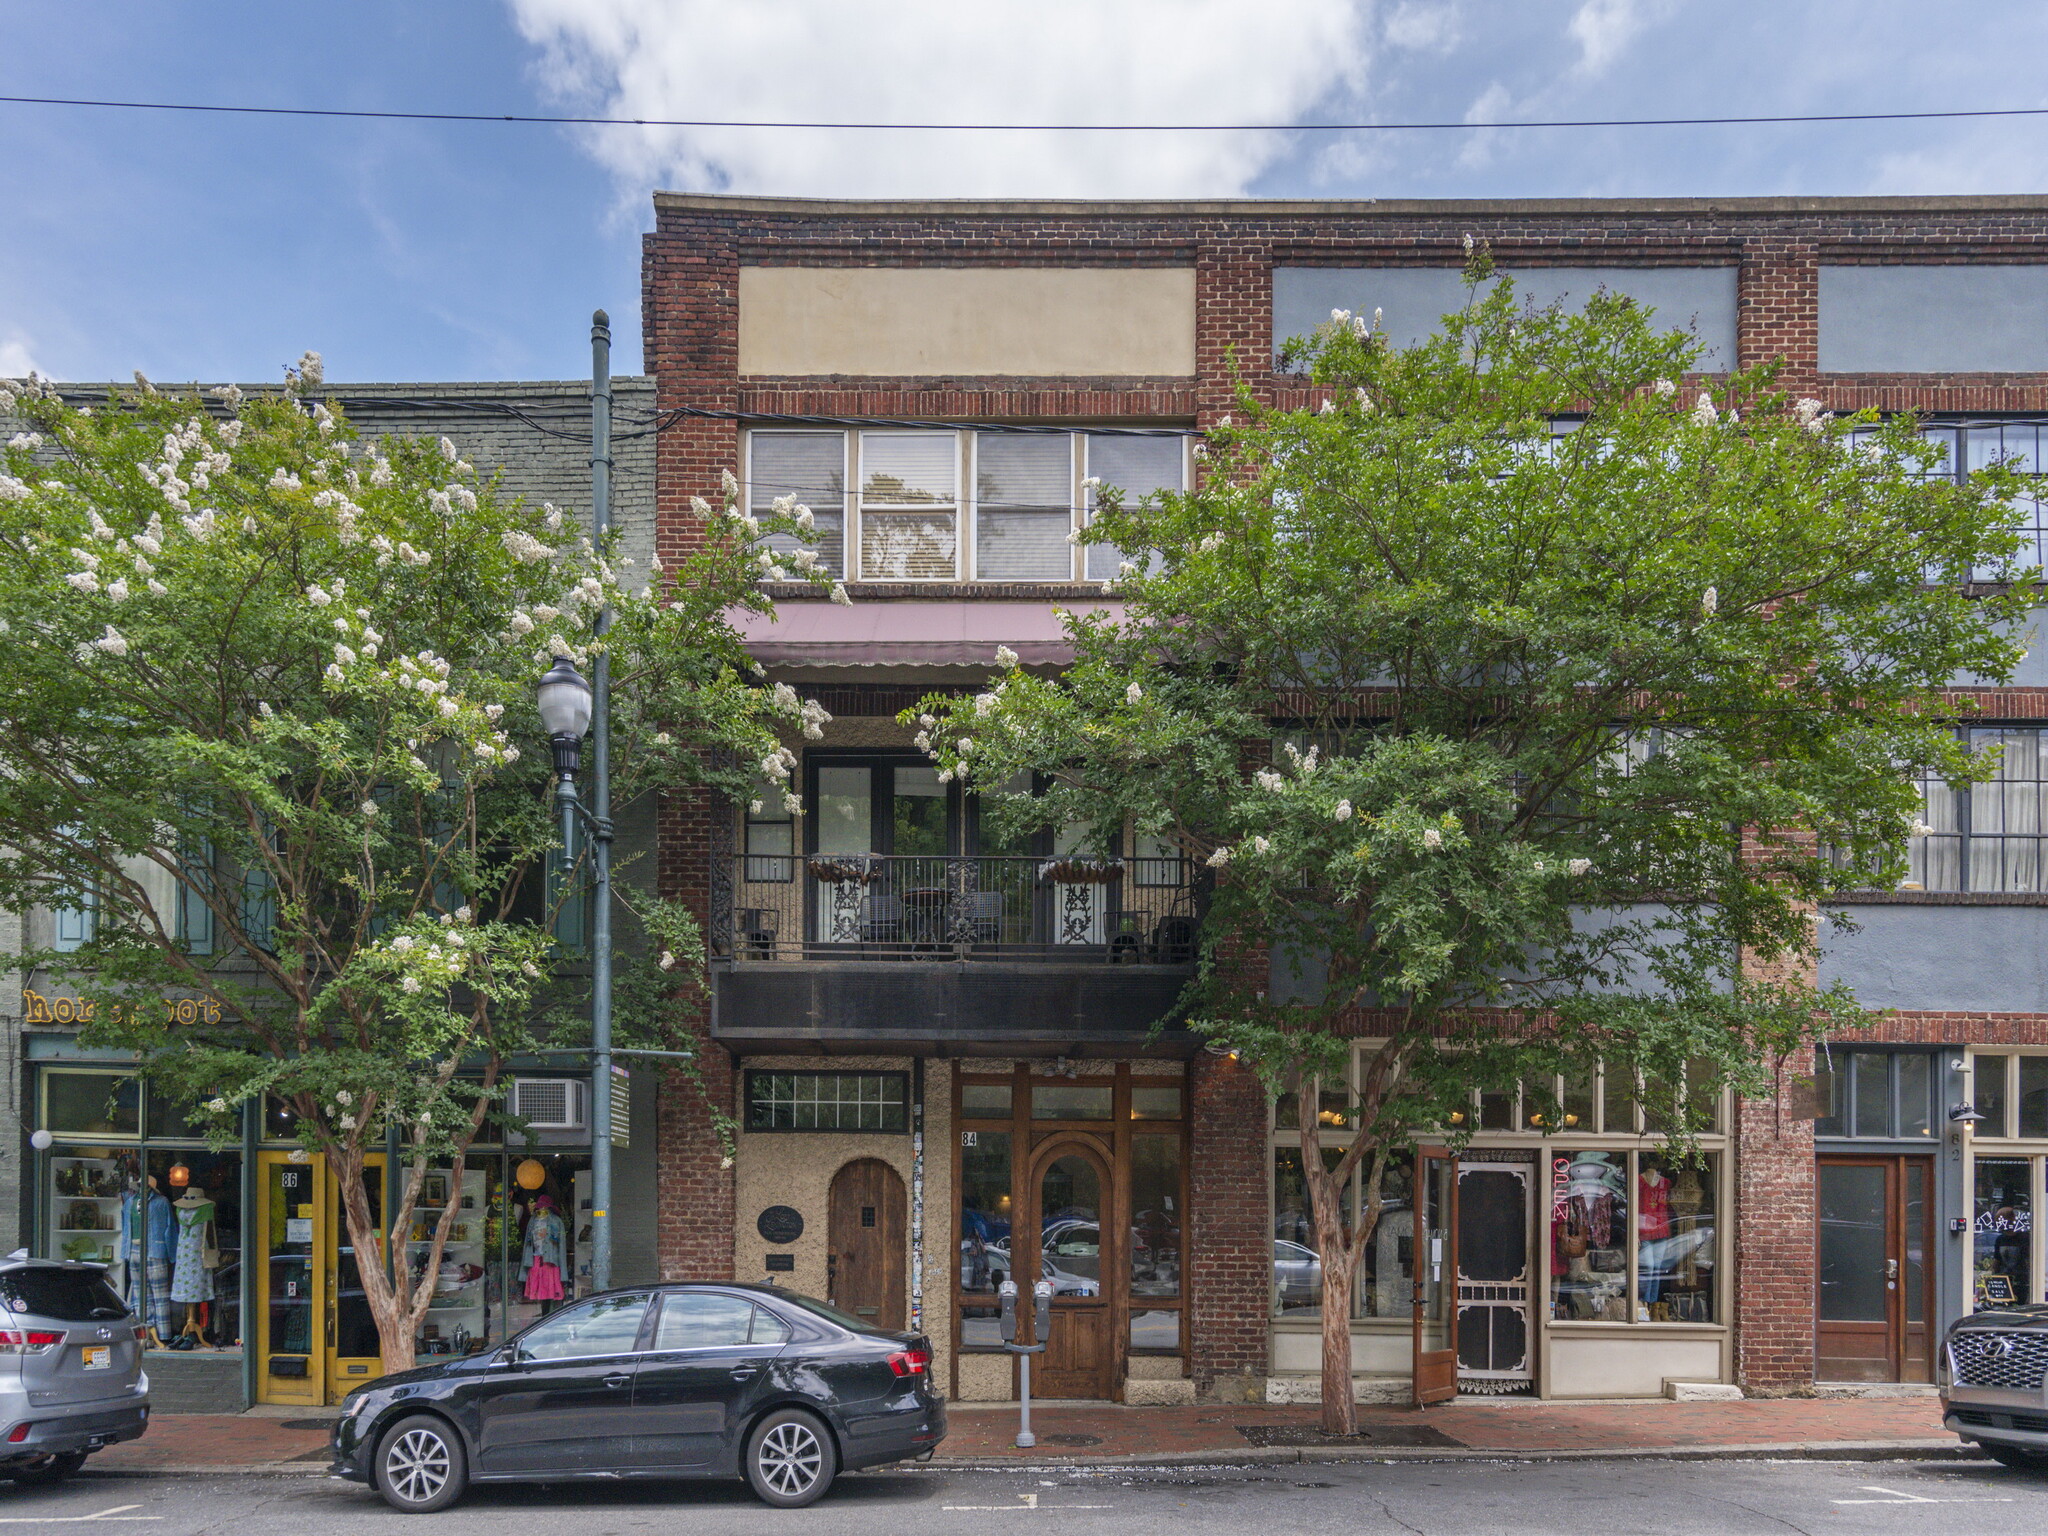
(509, 1355)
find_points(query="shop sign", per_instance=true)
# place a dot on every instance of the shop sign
(38, 1009)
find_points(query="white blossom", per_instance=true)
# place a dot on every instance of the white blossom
(27, 442)
(282, 480)
(1209, 543)
(1663, 388)
(1703, 413)
(369, 810)
(85, 581)
(449, 709)
(1219, 858)
(1343, 811)
(1920, 829)
(728, 486)
(840, 597)
(1431, 838)
(157, 588)
(231, 433)
(318, 596)
(334, 674)
(1329, 408)
(1710, 601)
(1260, 845)
(793, 803)
(1268, 779)
(402, 943)
(312, 370)
(12, 489)
(217, 1106)
(410, 984)
(1577, 867)
(1133, 694)
(117, 589)
(344, 655)
(1005, 657)
(1468, 245)
(528, 968)
(112, 642)
(493, 711)
(448, 450)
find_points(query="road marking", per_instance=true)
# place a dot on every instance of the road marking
(1030, 1502)
(117, 1512)
(1911, 1498)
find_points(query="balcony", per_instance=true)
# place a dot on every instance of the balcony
(974, 954)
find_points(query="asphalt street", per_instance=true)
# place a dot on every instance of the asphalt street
(1580, 1498)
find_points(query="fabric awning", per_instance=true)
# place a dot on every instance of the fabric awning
(915, 634)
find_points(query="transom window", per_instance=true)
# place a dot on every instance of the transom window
(956, 505)
(828, 1101)
(1875, 1094)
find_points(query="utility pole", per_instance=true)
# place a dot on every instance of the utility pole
(601, 825)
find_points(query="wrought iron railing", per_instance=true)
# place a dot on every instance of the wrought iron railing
(775, 907)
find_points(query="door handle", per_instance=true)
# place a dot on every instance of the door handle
(1891, 1269)
(742, 1372)
(617, 1379)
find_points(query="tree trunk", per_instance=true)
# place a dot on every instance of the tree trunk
(1340, 1412)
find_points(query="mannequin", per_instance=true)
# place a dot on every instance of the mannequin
(145, 1245)
(192, 1264)
(541, 1259)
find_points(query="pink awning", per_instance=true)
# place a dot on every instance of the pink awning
(916, 634)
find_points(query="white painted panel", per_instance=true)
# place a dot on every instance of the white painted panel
(1624, 1366)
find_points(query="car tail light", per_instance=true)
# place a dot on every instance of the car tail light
(19, 1434)
(15, 1342)
(142, 1335)
(911, 1362)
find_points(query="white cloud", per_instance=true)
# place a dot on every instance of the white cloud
(16, 361)
(1603, 29)
(1492, 106)
(940, 61)
(1423, 26)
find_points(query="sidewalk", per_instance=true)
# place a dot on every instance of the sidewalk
(1095, 1432)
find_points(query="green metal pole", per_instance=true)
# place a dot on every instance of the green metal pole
(601, 828)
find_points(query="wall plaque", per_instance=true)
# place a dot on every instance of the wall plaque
(780, 1224)
(781, 1263)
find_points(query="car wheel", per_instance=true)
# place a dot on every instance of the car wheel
(791, 1459)
(421, 1466)
(49, 1471)
(2018, 1457)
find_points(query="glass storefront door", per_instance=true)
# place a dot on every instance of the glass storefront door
(1876, 1231)
(315, 1336)
(1436, 1268)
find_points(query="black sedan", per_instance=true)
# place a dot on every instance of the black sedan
(657, 1381)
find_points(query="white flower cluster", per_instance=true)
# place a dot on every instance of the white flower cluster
(1710, 602)
(1005, 657)
(525, 548)
(1577, 867)
(1812, 415)
(1431, 838)
(1269, 780)
(1133, 694)
(1304, 762)
(1703, 413)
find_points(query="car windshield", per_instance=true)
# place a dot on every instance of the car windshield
(831, 1314)
(65, 1295)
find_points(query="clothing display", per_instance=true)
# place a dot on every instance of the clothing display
(1653, 1205)
(158, 1228)
(542, 1257)
(197, 1251)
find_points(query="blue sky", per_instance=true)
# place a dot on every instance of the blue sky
(217, 247)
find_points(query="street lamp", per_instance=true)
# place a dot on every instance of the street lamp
(568, 706)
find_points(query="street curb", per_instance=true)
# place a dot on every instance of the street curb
(1251, 1455)
(1285, 1456)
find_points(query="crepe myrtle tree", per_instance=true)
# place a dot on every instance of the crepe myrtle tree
(1506, 697)
(267, 716)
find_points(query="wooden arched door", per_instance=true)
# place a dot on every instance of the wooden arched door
(1076, 1243)
(867, 1234)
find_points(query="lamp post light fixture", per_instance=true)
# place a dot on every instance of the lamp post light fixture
(568, 708)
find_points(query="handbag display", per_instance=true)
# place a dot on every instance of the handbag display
(1571, 1243)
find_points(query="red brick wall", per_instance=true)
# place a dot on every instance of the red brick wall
(1230, 1236)
(1774, 1241)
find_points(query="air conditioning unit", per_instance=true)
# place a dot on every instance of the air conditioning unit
(551, 1103)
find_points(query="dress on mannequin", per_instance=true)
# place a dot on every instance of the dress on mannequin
(192, 1263)
(541, 1259)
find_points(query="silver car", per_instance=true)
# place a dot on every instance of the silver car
(1994, 1382)
(71, 1377)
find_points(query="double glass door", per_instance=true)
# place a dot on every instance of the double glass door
(1874, 1304)
(315, 1336)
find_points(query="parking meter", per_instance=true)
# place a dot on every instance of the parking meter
(1008, 1291)
(1042, 1313)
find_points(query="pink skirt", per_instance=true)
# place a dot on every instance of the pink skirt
(543, 1282)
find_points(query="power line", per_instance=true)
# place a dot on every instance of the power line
(838, 127)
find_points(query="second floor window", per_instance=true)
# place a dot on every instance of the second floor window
(1986, 837)
(956, 505)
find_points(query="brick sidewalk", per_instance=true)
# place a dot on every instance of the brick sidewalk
(1087, 1432)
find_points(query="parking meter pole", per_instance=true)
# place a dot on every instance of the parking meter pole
(1025, 1439)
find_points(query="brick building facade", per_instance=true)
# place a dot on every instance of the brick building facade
(890, 364)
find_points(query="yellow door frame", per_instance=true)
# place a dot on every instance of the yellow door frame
(297, 1301)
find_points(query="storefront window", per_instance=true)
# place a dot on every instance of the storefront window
(204, 1288)
(86, 1186)
(1071, 1101)
(1589, 1233)
(984, 1236)
(1675, 1226)
(537, 1237)
(1386, 1270)
(2003, 1254)
(1155, 1216)
(459, 1319)
(90, 1104)
(1987, 1074)
(1155, 1103)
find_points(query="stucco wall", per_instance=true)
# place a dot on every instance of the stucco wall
(796, 1168)
(1948, 959)
(1980, 318)
(1414, 300)
(967, 321)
